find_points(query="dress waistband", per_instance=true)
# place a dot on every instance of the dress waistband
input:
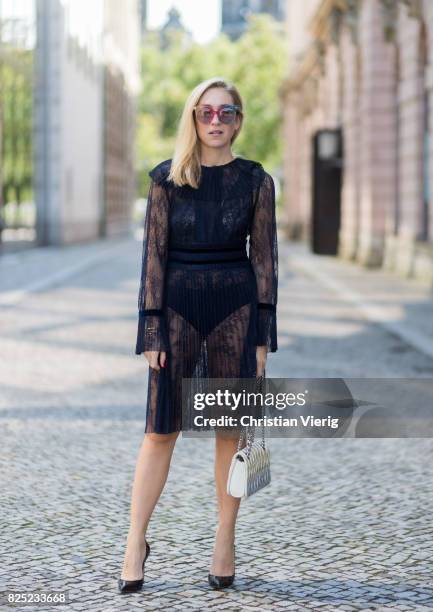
(207, 255)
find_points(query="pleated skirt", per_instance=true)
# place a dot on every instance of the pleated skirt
(210, 315)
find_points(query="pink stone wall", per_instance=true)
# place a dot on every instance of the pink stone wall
(374, 89)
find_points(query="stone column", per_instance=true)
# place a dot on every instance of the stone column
(292, 166)
(410, 104)
(47, 122)
(377, 131)
(428, 84)
(349, 229)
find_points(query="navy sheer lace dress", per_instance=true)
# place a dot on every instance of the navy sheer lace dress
(204, 298)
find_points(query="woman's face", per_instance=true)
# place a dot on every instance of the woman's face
(216, 97)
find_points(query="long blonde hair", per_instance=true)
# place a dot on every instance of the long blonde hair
(186, 163)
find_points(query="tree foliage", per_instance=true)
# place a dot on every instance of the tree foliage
(16, 66)
(256, 63)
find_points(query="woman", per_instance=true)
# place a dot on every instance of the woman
(206, 308)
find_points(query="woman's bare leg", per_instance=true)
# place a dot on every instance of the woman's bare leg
(151, 473)
(228, 506)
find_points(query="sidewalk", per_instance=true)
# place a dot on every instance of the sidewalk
(403, 306)
(345, 523)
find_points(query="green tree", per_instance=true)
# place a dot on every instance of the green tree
(16, 168)
(256, 63)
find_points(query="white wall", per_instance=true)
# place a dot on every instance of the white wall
(82, 118)
(75, 37)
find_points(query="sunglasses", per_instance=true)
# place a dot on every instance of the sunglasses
(226, 113)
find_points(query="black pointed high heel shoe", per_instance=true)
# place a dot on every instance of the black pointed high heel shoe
(221, 582)
(129, 586)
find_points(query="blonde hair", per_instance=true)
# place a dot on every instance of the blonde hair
(186, 163)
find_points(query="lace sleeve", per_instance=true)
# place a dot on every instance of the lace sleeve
(263, 254)
(152, 332)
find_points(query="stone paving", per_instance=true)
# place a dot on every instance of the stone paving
(345, 524)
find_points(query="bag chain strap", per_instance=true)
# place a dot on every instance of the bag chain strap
(249, 431)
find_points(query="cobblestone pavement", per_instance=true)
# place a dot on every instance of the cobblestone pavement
(345, 524)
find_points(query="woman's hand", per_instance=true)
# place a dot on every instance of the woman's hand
(156, 359)
(261, 356)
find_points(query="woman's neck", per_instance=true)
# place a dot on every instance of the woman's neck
(214, 160)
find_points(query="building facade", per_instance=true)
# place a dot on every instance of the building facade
(234, 16)
(174, 27)
(86, 83)
(364, 68)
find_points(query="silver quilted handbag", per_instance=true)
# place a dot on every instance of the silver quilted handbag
(250, 468)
